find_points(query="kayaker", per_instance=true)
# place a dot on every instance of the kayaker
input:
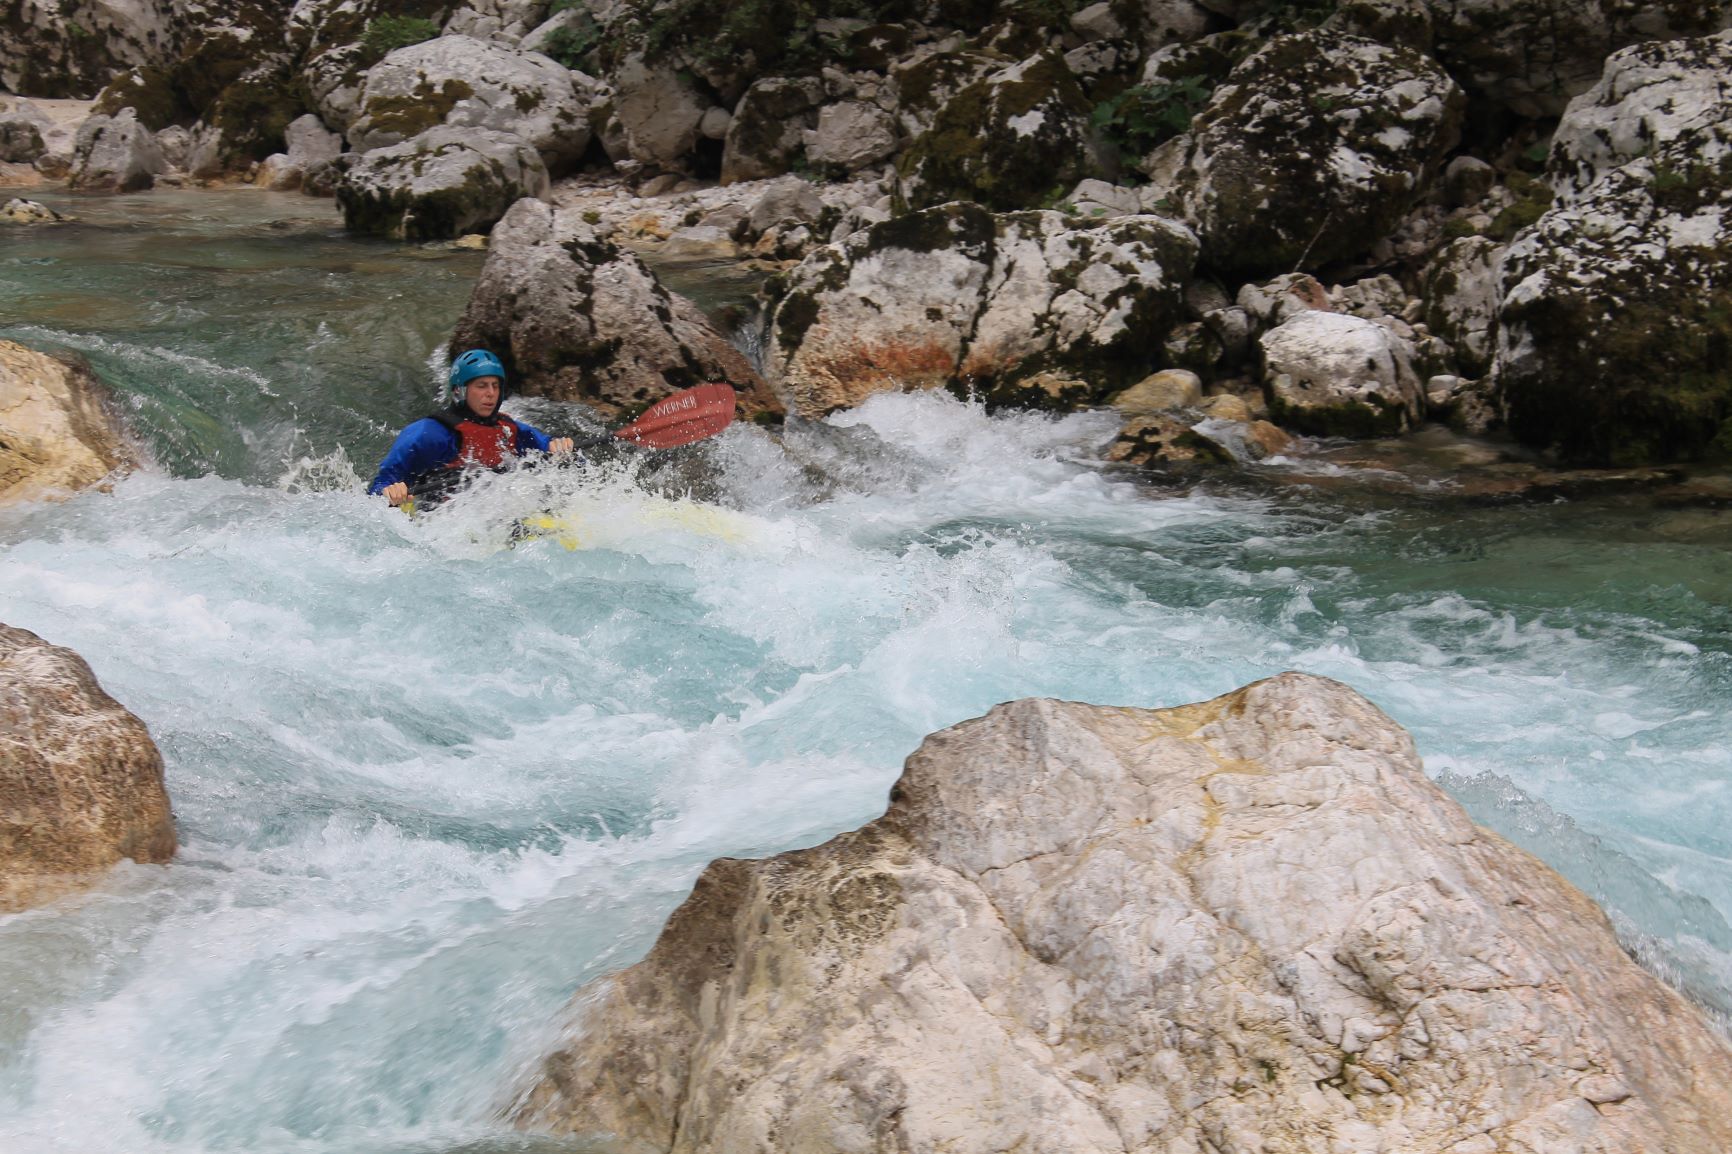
(470, 432)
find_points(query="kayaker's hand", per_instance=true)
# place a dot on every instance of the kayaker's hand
(559, 445)
(398, 493)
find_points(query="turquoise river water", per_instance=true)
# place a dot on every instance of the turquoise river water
(426, 785)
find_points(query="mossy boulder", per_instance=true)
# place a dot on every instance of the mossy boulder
(767, 134)
(1016, 139)
(329, 39)
(444, 183)
(924, 84)
(1462, 287)
(72, 49)
(1615, 333)
(151, 93)
(998, 305)
(1315, 147)
(1528, 56)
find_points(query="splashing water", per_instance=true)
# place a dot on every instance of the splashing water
(428, 783)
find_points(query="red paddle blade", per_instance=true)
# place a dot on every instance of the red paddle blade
(687, 416)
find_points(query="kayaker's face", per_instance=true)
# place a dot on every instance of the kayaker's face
(482, 396)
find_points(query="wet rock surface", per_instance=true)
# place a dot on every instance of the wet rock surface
(577, 318)
(57, 433)
(1243, 924)
(81, 784)
(956, 294)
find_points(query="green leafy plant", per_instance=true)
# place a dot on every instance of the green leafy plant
(574, 45)
(1140, 119)
(386, 34)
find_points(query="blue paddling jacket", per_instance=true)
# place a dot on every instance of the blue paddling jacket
(435, 443)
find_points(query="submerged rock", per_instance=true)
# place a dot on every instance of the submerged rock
(955, 296)
(1615, 331)
(1249, 924)
(81, 783)
(442, 184)
(56, 433)
(577, 318)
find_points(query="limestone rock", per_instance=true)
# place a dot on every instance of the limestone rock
(1249, 924)
(461, 82)
(850, 135)
(20, 140)
(768, 130)
(1162, 439)
(21, 211)
(1341, 376)
(1532, 56)
(1617, 307)
(1278, 301)
(116, 154)
(1160, 392)
(310, 142)
(1008, 141)
(71, 48)
(279, 174)
(503, 21)
(444, 183)
(577, 318)
(924, 84)
(1316, 146)
(1462, 288)
(81, 783)
(659, 111)
(954, 295)
(56, 433)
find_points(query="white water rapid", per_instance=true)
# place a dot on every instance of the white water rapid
(427, 784)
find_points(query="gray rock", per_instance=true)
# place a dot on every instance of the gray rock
(81, 783)
(659, 112)
(176, 145)
(1467, 180)
(1008, 141)
(116, 154)
(1341, 376)
(311, 143)
(20, 140)
(468, 83)
(850, 135)
(1462, 288)
(580, 319)
(279, 173)
(767, 132)
(1247, 924)
(924, 84)
(954, 294)
(446, 182)
(1615, 319)
(504, 21)
(1315, 147)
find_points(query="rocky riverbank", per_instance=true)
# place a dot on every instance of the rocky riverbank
(1370, 216)
(1242, 925)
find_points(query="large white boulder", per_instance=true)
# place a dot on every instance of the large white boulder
(578, 318)
(116, 154)
(462, 82)
(1242, 926)
(446, 182)
(659, 112)
(1333, 374)
(955, 296)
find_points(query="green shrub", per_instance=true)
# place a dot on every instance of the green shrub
(1140, 119)
(574, 45)
(386, 34)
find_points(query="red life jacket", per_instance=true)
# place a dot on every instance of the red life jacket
(488, 444)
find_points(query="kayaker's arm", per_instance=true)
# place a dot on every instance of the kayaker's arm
(531, 437)
(419, 449)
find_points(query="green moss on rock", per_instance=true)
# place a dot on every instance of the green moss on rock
(149, 92)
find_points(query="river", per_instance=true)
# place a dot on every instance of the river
(427, 784)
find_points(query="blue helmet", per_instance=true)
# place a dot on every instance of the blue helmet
(472, 364)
